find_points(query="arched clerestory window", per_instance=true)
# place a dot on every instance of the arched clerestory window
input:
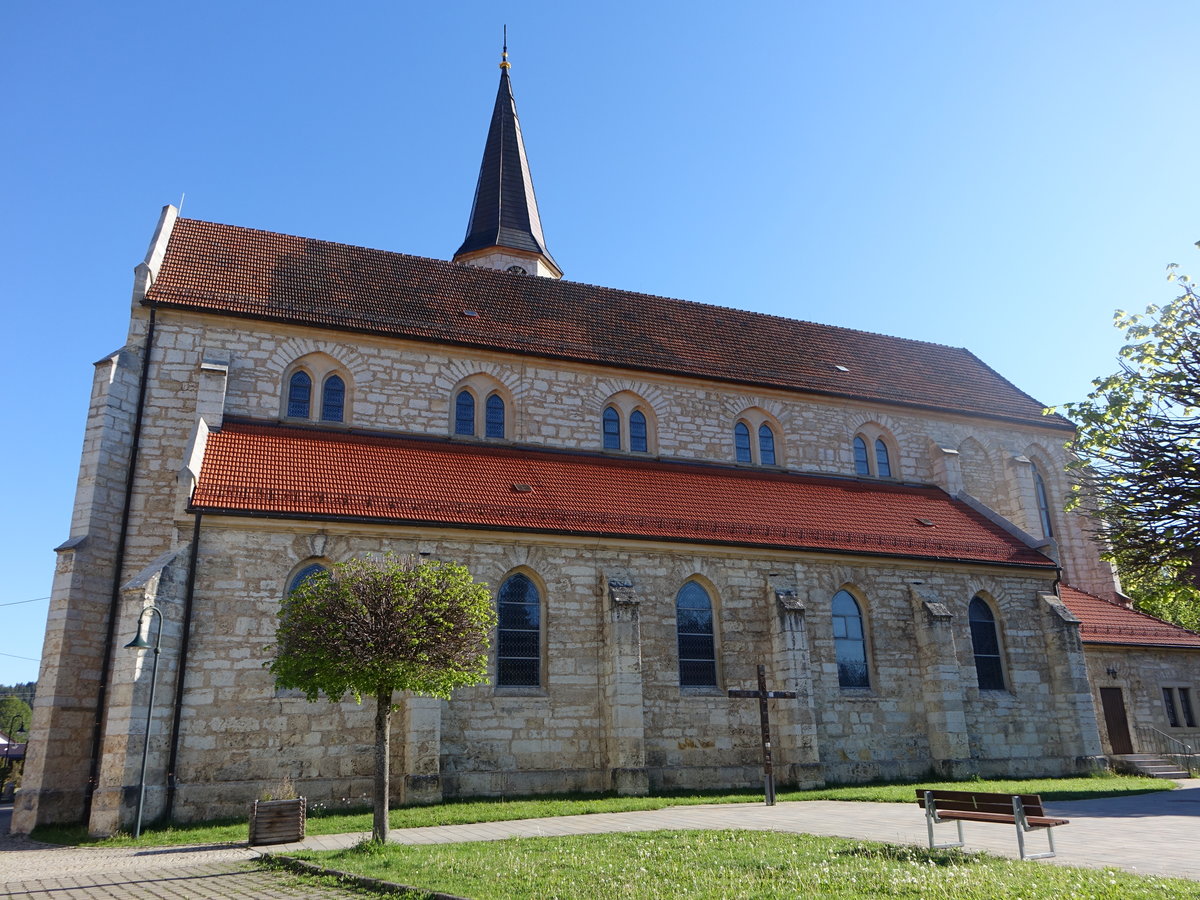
(299, 395)
(985, 643)
(695, 636)
(1043, 503)
(883, 465)
(766, 445)
(519, 633)
(494, 417)
(333, 399)
(304, 574)
(464, 413)
(612, 429)
(850, 642)
(638, 442)
(741, 442)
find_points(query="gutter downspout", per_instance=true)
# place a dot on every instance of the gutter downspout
(185, 641)
(118, 567)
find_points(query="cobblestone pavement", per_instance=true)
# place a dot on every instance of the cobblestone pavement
(1150, 834)
(30, 870)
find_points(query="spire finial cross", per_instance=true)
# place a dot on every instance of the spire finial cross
(504, 64)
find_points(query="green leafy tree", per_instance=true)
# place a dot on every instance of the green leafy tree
(15, 715)
(1138, 448)
(379, 625)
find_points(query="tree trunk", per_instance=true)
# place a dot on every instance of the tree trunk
(383, 755)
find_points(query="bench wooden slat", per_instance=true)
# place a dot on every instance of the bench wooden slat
(969, 801)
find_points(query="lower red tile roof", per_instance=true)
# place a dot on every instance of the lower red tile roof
(1110, 623)
(302, 472)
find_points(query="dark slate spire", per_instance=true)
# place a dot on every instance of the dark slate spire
(504, 216)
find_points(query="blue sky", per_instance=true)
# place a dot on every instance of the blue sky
(994, 176)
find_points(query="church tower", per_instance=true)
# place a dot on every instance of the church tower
(505, 231)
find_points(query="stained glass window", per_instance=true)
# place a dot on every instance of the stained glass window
(464, 413)
(766, 445)
(694, 628)
(495, 416)
(612, 429)
(519, 635)
(741, 442)
(333, 399)
(637, 432)
(299, 395)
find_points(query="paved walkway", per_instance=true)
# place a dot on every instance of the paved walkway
(1155, 834)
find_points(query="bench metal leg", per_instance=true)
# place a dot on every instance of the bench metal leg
(1023, 826)
(931, 818)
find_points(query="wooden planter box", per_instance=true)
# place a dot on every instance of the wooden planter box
(276, 821)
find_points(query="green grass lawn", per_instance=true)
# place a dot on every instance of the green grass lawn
(715, 865)
(462, 812)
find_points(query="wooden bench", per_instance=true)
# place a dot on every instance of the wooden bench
(1022, 810)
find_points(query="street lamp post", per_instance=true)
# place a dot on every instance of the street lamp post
(140, 643)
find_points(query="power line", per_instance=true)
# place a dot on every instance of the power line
(14, 656)
(19, 602)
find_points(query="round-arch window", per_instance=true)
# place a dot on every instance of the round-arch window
(766, 445)
(299, 395)
(741, 442)
(985, 642)
(862, 465)
(304, 574)
(850, 642)
(694, 629)
(464, 413)
(333, 399)
(612, 429)
(883, 465)
(494, 426)
(637, 431)
(519, 635)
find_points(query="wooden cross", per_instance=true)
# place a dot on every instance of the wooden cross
(763, 695)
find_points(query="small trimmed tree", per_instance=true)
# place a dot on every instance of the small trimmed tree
(381, 624)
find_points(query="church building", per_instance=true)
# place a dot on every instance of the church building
(663, 495)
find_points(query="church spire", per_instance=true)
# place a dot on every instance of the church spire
(505, 231)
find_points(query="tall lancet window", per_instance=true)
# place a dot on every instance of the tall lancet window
(1043, 503)
(494, 426)
(464, 413)
(696, 639)
(850, 642)
(299, 395)
(612, 429)
(333, 399)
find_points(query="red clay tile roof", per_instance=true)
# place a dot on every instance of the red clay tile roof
(259, 274)
(300, 472)
(1108, 623)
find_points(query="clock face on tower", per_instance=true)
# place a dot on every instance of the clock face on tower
(516, 270)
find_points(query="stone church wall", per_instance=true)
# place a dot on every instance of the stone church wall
(602, 723)
(240, 737)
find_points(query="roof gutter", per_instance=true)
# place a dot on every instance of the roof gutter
(714, 542)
